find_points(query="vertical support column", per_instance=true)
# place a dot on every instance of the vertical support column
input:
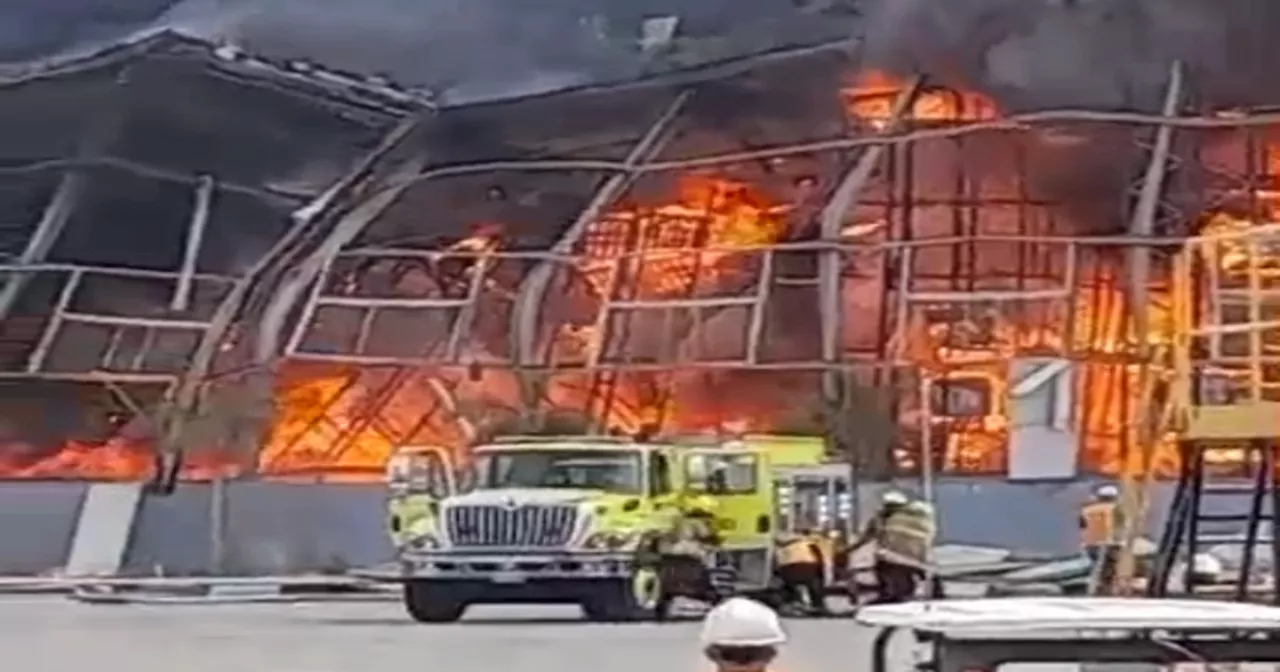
(200, 212)
(831, 223)
(99, 134)
(755, 328)
(36, 362)
(52, 221)
(1142, 225)
(466, 315)
(218, 506)
(837, 384)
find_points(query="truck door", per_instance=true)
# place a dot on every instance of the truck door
(418, 477)
(421, 470)
(738, 480)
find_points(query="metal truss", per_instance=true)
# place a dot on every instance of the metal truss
(133, 348)
(74, 340)
(389, 406)
(454, 297)
(317, 298)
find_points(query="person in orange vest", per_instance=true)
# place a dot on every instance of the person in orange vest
(800, 562)
(1099, 523)
(1099, 518)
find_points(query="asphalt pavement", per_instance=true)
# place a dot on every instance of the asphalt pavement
(51, 632)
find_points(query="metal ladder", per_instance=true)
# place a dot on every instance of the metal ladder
(1227, 392)
(1206, 513)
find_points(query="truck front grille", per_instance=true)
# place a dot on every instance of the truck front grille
(530, 525)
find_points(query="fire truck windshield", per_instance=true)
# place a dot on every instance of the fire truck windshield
(616, 471)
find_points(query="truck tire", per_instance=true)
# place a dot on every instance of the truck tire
(615, 602)
(429, 602)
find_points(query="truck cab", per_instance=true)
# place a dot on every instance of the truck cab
(561, 519)
(1063, 635)
(418, 477)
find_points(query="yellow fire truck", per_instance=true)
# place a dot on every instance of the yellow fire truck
(567, 519)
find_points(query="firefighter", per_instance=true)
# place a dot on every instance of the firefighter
(742, 635)
(903, 531)
(800, 567)
(1099, 522)
(686, 553)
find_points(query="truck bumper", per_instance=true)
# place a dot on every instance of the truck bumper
(514, 569)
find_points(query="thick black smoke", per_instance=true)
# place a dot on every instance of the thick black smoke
(1084, 53)
(475, 48)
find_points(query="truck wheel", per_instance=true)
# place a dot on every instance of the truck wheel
(624, 600)
(428, 602)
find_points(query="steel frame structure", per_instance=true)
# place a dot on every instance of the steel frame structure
(274, 311)
(160, 353)
(1056, 274)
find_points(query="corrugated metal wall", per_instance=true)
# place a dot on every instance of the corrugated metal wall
(280, 528)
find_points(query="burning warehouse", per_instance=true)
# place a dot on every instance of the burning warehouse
(279, 269)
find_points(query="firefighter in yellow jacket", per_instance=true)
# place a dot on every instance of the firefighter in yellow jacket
(903, 531)
(686, 551)
(801, 563)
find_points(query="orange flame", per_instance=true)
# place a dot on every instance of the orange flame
(872, 97)
(667, 240)
(683, 246)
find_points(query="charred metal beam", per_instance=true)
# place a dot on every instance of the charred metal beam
(187, 390)
(533, 290)
(269, 194)
(52, 221)
(1142, 225)
(36, 362)
(101, 132)
(195, 238)
(313, 270)
(831, 222)
(272, 325)
(755, 327)
(462, 323)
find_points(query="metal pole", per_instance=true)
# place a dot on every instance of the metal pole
(1135, 485)
(926, 439)
(218, 526)
(831, 223)
(195, 237)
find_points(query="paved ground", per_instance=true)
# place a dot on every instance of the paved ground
(53, 633)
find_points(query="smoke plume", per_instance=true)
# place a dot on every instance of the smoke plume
(467, 48)
(1083, 53)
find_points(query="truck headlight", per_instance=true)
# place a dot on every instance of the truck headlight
(610, 541)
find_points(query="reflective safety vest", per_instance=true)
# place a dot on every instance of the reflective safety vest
(689, 537)
(908, 533)
(1098, 523)
(797, 551)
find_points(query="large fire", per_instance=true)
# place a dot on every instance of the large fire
(340, 422)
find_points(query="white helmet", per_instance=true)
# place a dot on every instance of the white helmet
(739, 621)
(1107, 491)
(893, 498)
